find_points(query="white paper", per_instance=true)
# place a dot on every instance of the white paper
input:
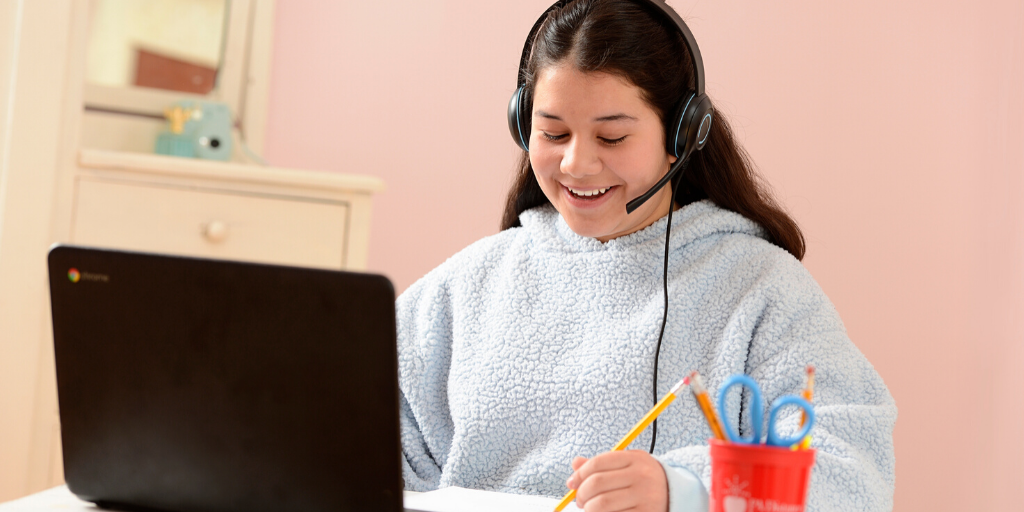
(458, 499)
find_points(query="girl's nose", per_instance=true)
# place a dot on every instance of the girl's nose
(580, 159)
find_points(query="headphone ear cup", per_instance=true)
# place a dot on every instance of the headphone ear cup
(690, 126)
(700, 123)
(518, 125)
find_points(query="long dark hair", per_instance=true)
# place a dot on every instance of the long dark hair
(623, 38)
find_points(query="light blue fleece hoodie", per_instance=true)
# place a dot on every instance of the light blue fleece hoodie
(536, 345)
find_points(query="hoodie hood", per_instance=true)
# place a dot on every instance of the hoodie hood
(690, 223)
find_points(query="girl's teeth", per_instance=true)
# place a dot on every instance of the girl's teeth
(589, 193)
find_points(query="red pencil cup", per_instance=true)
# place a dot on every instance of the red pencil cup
(759, 478)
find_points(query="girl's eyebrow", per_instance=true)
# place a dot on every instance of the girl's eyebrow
(613, 117)
(541, 113)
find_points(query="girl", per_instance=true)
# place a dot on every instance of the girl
(525, 356)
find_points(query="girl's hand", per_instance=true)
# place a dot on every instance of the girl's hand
(626, 480)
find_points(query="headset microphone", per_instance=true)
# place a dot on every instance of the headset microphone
(635, 203)
(690, 135)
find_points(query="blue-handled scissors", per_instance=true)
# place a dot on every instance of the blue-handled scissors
(757, 414)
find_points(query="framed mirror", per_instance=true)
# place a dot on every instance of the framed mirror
(142, 57)
(174, 45)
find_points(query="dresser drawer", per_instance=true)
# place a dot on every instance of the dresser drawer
(210, 223)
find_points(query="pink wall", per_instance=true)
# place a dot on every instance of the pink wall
(894, 134)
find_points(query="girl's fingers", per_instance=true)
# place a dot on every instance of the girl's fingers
(620, 481)
(608, 461)
(603, 483)
(574, 479)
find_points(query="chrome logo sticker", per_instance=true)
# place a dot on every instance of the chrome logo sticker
(74, 275)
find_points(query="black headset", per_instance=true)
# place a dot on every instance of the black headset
(691, 119)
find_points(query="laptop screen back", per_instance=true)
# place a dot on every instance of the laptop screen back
(189, 384)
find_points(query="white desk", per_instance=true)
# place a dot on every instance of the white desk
(58, 498)
(453, 499)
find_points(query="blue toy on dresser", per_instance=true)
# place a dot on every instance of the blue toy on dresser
(196, 129)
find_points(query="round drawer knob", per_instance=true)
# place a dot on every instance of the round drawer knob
(215, 231)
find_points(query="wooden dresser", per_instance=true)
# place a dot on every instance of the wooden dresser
(172, 205)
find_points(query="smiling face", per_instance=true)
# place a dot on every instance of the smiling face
(595, 144)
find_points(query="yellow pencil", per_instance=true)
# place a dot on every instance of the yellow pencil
(808, 395)
(700, 393)
(633, 433)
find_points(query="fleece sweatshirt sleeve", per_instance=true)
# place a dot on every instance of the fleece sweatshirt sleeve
(425, 326)
(686, 493)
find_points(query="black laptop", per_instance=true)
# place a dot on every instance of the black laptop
(213, 386)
